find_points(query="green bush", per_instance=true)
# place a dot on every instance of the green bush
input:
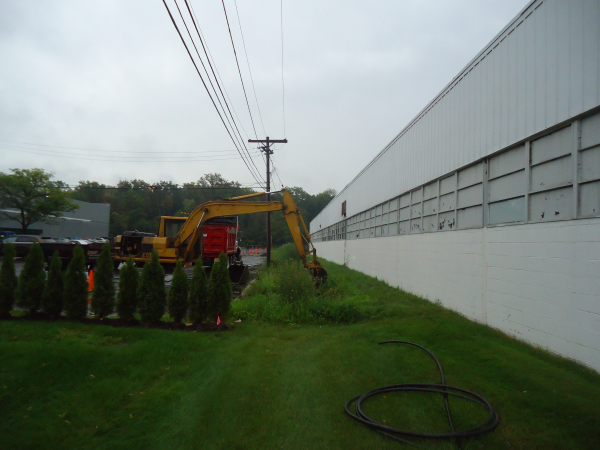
(199, 297)
(219, 288)
(294, 283)
(127, 301)
(151, 293)
(178, 293)
(287, 293)
(285, 253)
(103, 296)
(75, 296)
(8, 279)
(32, 279)
(52, 298)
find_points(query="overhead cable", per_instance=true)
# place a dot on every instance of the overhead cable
(239, 139)
(238, 66)
(163, 152)
(206, 88)
(249, 70)
(116, 159)
(194, 21)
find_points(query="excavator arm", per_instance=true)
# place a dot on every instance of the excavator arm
(191, 230)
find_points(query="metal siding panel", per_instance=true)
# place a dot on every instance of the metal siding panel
(470, 196)
(447, 221)
(430, 223)
(523, 82)
(405, 200)
(513, 72)
(563, 60)
(551, 174)
(404, 227)
(551, 61)
(470, 217)
(430, 190)
(471, 175)
(552, 146)
(529, 70)
(430, 206)
(405, 214)
(576, 57)
(415, 226)
(540, 67)
(589, 165)
(507, 186)
(591, 50)
(507, 162)
(416, 196)
(447, 202)
(590, 131)
(448, 184)
(415, 211)
(521, 49)
(551, 205)
(508, 211)
(589, 199)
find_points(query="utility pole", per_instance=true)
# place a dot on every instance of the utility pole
(266, 148)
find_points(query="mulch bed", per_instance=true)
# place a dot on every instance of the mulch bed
(122, 323)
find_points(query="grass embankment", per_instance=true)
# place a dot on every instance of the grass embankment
(67, 385)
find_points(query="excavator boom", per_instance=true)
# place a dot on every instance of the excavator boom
(184, 245)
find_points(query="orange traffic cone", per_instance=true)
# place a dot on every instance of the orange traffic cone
(243, 253)
(91, 280)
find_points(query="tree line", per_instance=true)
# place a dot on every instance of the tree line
(204, 299)
(138, 205)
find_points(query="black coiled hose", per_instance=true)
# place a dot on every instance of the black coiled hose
(489, 425)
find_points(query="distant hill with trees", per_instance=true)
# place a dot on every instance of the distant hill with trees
(138, 205)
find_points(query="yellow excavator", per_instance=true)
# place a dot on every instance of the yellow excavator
(182, 239)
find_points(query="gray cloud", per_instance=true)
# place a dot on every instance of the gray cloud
(113, 75)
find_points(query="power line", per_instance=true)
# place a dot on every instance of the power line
(164, 155)
(203, 38)
(249, 70)
(114, 151)
(116, 159)
(239, 139)
(238, 66)
(206, 88)
(192, 16)
(276, 172)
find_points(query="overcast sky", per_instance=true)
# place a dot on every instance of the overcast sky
(112, 81)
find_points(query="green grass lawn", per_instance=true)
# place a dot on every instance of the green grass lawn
(68, 385)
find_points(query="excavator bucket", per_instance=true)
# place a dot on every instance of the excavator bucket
(239, 274)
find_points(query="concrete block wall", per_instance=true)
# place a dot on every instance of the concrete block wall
(538, 282)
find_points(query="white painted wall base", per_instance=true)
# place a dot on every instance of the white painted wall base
(538, 282)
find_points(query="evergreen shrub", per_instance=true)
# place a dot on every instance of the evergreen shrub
(52, 298)
(75, 298)
(8, 279)
(199, 297)
(129, 280)
(219, 288)
(178, 293)
(103, 297)
(32, 279)
(151, 294)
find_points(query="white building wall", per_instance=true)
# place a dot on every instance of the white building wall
(543, 69)
(538, 282)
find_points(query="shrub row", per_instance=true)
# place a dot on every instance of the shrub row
(67, 292)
